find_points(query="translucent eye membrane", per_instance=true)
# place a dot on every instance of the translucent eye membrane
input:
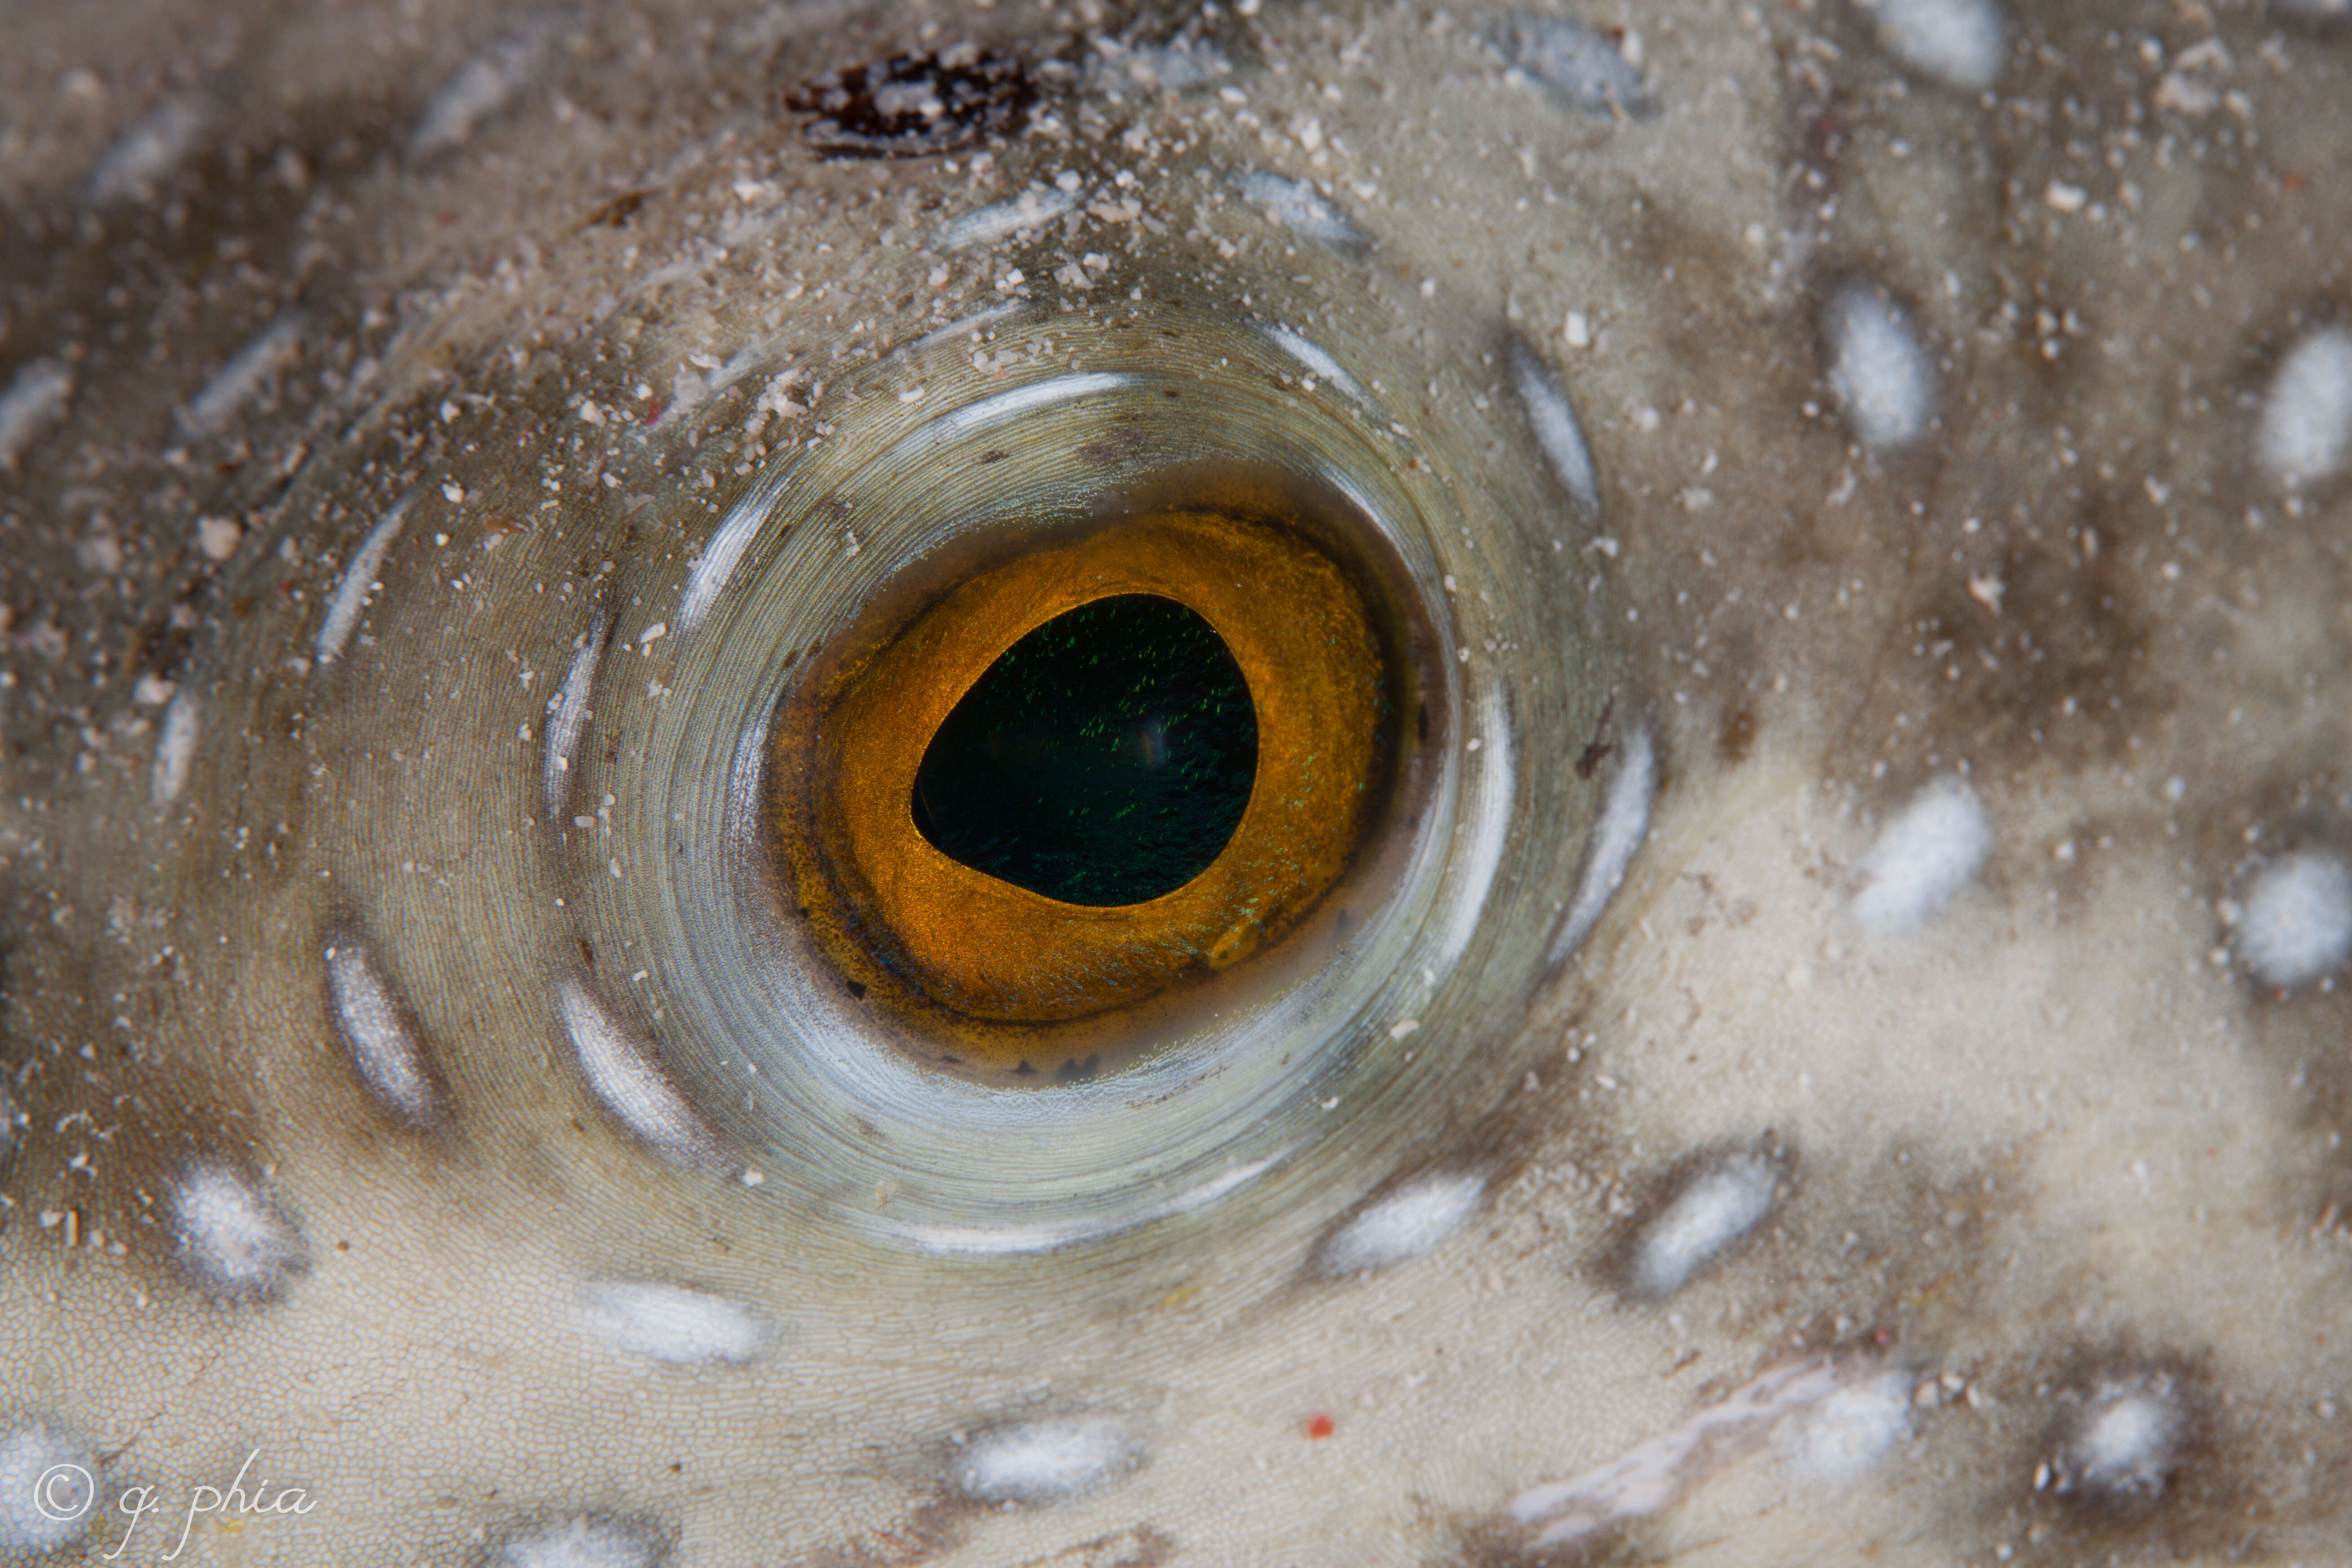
(1000, 1034)
(953, 945)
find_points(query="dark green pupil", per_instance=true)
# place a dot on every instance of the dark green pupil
(1104, 758)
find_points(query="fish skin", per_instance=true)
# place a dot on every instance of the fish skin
(2051, 1149)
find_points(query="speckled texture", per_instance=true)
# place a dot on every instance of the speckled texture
(559, 287)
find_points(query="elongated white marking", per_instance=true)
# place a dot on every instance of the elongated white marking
(1883, 376)
(1961, 43)
(1715, 1210)
(639, 1095)
(2296, 923)
(145, 155)
(358, 581)
(2305, 434)
(1486, 821)
(583, 1542)
(1557, 429)
(999, 1241)
(1405, 1224)
(965, 326)
(667, 1323)
(175, 746)
(567, 719)
(1624, 822)
(37, 395)
(377, 1034)
(955, 425)
(1922, 860)
(1302, 209)
(49, 1490)
(1651, 1475)
(241, 380)
(1039, 1463)
(709, 576)
(479, 88)
(1032, 208)
(232, 1238)
(1311, 354)
(1582, 69)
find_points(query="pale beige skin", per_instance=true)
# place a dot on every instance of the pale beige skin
(2054, 1140)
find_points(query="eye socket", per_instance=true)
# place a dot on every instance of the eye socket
(940, 514)
(958, 950)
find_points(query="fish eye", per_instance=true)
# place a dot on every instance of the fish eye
(1130, 757)
(1070, 789)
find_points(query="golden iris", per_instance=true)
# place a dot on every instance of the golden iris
(1012, 946)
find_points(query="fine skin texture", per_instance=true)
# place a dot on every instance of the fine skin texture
(1884, 547)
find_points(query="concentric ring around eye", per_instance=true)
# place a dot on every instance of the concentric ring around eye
(824, 978)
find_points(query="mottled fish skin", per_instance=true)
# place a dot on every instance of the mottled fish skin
(1934, 1153)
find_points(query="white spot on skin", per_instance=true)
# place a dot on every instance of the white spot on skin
(1586, 70)
(143, 156)
(984, 225)
(2296, 923)
(1852, 1431)
(1961, 43)
(1557, 429)
(623, 1074)
(376, 1034)
(1404, 1224)
(358, 582)
(1625, 822)
(1300, 208)
(175, 746)
(665, 1323)
(1651, 1475)
(2305, 434)
(35, 397)
(1883, 377)
(567, 719)
(241, 380)
(583, 1544)
(1311, 354)
(1715, 1210)
(1042, 1462)
(1923, 858)
(231, 1238)
(717, 563)
(48, 1491)
(481, 86)
(2125, 1441)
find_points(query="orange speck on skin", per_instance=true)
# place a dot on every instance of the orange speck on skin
(1319, 1426)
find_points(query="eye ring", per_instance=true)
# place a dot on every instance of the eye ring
(1321, 1039)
